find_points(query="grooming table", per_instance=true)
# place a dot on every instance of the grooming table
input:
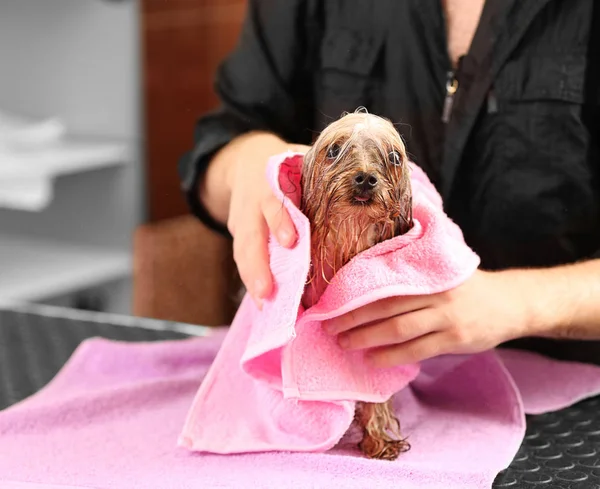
(561, 449)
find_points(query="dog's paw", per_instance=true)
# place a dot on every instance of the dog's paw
(379, 449)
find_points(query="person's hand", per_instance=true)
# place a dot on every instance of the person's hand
(486, 310)
(255, 212)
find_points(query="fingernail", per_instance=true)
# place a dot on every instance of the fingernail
(259, 289)
(257, 299)
(343, 341)
(371, 359)
(329, 327)
(286, 238)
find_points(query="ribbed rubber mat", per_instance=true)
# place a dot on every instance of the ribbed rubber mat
(33, 348)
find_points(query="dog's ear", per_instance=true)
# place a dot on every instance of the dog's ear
(308, 160)
(404, 221)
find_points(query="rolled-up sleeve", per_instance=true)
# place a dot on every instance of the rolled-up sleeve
(262, 85)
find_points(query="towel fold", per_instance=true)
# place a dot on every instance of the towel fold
(280, 382)
(111, 417)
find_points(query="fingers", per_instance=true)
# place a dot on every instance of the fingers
(254, 213)
(279, 221)
(377, 311)
(414, 351)
(251, 255)
(250, 245)
(393, 331)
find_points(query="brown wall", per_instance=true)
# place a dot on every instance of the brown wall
(183, 42)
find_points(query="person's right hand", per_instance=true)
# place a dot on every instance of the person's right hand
(255, 211)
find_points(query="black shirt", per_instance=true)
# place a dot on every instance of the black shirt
(516, 159)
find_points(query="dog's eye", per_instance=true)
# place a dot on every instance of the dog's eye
(333, 151)
(395, 158)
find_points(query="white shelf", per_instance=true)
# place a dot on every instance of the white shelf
(27, 175)
(71, 159)
(33, 270)
(65, 156)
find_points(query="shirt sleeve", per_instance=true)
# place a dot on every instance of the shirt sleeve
(593, 97)
(263, 84)
(595, 138)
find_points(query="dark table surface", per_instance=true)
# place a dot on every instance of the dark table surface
(560, 450)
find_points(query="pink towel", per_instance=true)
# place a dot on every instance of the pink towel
(110, 420)
(280, 382)
(112, 417)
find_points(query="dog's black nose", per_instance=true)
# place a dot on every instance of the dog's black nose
(365, 182)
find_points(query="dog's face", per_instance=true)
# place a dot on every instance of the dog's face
(357, 173)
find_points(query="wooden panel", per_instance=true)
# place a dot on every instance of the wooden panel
(183, 43)
(184, 272)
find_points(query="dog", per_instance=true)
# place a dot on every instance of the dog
(356, 192)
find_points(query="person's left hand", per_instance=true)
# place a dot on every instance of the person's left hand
(486, 310)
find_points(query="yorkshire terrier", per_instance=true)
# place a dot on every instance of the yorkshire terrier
(356, 192)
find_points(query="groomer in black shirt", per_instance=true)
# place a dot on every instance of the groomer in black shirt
(498, 101)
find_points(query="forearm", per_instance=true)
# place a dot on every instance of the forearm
(566, 301)
(215, 187)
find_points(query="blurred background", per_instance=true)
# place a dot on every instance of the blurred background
(98, 100)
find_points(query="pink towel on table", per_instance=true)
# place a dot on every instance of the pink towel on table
(113, 416)
(110, 420)
(280, 382)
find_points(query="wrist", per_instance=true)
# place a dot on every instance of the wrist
(546, 302)
(555, 301)
(537, 299)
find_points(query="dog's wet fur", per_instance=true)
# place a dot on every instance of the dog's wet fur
(356, 192)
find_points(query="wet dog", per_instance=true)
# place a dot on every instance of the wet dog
(356, 192)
